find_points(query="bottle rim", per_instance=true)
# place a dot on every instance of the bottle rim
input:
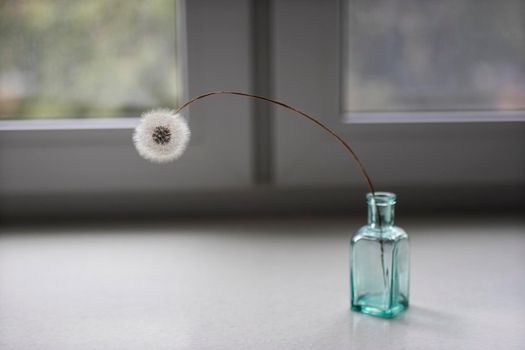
(381, 198)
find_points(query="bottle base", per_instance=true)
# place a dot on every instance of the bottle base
(367, 305)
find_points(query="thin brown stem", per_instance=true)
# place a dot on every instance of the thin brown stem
(301, 113)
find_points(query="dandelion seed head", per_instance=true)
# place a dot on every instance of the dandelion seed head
(161, 135)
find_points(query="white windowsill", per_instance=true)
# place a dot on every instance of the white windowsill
(70, 124)
(433, 117)
(272, 284)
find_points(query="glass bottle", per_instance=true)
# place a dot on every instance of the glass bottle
(380, 261)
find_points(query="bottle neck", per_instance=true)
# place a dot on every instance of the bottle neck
(380, 215)
(381, 209)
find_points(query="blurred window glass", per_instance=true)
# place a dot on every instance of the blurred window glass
(86, 59)
(447, 55)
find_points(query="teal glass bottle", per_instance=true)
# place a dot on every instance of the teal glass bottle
(380, 261)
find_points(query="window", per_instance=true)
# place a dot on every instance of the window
(87, 59)
(307, 73)
(144, 50)
(435, 60)
(90, 165)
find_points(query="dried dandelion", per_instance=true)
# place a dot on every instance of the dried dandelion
(161, 136)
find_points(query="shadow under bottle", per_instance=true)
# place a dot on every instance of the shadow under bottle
(380, 261)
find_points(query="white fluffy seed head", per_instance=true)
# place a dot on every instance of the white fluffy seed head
(161, 135)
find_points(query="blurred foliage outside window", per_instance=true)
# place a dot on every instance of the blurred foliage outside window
(427, 55)
(86, 59)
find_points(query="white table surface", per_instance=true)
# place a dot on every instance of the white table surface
(267, 284)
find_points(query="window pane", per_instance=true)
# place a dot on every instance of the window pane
(447, 55)
(96, 58)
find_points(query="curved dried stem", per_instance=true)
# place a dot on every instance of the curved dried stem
(301, 113)
(324, 127)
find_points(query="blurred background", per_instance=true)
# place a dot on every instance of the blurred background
(430, 94)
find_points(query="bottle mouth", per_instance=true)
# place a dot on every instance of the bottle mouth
(381, 198)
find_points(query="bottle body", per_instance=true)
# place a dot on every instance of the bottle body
(380, 262)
